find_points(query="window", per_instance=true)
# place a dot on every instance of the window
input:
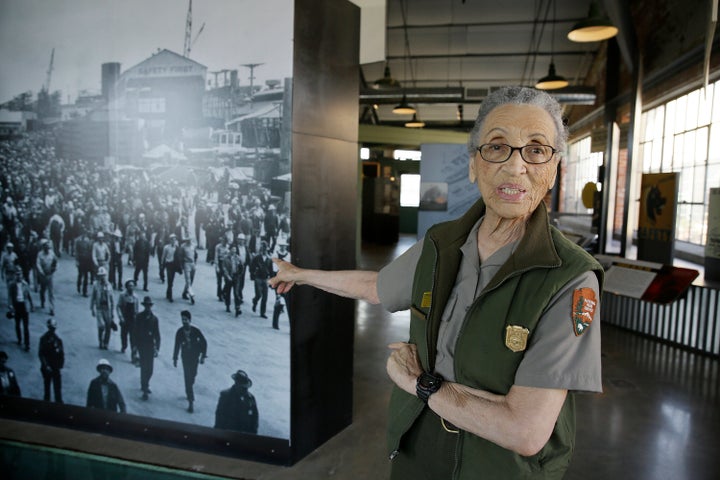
(407, 155)
(581, 168)
(151, 105)
(683, 136)
(409, 190)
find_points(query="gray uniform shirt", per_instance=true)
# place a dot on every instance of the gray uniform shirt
(555, 357)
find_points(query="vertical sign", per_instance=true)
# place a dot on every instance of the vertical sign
(656, 222)
(449, 173)
(712, 245)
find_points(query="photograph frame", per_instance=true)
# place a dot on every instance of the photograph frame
(318, 410)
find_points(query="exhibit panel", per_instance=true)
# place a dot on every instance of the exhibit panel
(657, 217)
(169, 164)
(712, 243)
(445, 190)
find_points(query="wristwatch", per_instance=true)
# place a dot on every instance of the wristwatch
(427, 384)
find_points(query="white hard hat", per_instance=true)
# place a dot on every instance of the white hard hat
(103, 363)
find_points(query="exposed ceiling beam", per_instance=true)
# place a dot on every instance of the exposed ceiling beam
(619, 13)
(572, 95)
(488, 55)
(414, 95)
(401, 136)
(482, 24)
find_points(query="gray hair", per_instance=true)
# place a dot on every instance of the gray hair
(519, 96)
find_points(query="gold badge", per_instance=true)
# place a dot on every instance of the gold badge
(516, 337)
(426, 300)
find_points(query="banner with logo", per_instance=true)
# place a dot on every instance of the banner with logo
(657, 217)
(712, 245)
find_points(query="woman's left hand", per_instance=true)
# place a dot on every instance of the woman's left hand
(403, 366)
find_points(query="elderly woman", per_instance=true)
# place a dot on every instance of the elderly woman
(502, 308)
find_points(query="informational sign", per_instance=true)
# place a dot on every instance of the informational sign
(712, 245)
(656, 219)
(446, 192)
(648, 281)
(630, 279)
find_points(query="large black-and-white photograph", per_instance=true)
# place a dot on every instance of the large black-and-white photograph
(145, 182)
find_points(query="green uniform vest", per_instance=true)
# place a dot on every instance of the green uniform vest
(544, 261)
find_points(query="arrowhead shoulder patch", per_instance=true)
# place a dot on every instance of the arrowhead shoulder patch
(584, 304)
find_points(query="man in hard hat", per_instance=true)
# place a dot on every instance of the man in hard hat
(46, 265)
(169, 264)
(100, 253)
(128, 306)
(102, 392)
(102, 307)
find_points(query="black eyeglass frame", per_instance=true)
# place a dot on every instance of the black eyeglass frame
(519, 149)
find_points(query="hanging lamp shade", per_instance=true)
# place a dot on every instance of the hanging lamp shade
(404, 108)
(415, 123)
(596, 27)
(386, 81)
(552, 80)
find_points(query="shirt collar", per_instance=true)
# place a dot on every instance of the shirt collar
(470, 250)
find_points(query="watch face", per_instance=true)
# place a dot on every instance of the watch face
(427, 384)
(427, 380)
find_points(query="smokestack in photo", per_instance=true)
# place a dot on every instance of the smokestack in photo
(110, 76)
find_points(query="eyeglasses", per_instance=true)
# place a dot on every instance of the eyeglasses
(501, 152)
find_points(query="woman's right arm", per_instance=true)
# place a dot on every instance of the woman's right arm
(356, 284)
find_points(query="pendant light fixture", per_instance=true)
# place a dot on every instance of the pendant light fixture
(552, 80)
(404, 108)
(387, 81)
(415, 122)
(596, 27)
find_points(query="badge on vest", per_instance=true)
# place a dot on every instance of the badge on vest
(583, 309)
(426, 300)
(516, 337)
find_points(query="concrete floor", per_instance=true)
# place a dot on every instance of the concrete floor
(658, 417)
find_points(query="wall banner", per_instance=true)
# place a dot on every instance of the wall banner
(712, 245)
(656, 222)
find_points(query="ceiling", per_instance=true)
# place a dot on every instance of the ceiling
(462, 48)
